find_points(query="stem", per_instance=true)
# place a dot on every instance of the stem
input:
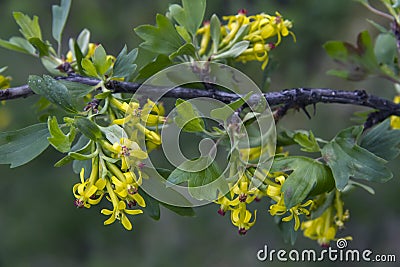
(297, 98)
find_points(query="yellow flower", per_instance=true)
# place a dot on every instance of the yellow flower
(234, 24)
(152, 114)
(266, 26)
(119, 210)
(241, 218)
(89, 192)
(258, 52)
(4, 82)
(395, 120)
(128, 189)
(226, 204)
(324, 228)
(279, 208)
(205, 39)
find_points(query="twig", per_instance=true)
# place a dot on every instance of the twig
(297, 98)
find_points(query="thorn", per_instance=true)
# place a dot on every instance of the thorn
(306, 112)
(314, 109)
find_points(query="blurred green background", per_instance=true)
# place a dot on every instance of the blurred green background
(40, 226)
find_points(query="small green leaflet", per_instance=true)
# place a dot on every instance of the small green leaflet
(234, 51)
(53, 90)
(215, 28)
(307, 141)
(60, 141)
(21, 146)
(358, 61)
(60, 14)
(18, 44)
(186, 49)
(187, 117)
(163, 39)
(347, 159)
(101, 61)
(28, 27)
(382, 141)
(203, 176)
(309, 177)
(190, 15)
(88, 128)
(124, 67)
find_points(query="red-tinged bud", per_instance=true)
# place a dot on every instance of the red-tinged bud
(242, 12)
(242, 231)
(78, 203)
(221, 212)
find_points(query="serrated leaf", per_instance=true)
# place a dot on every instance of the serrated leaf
(53, 90)
(234, 51)
(124, 66)
(382, 140)
(60, 14)
(347, 159)
(28, 27)
(60, 141)
(187, 117)
(88, 128)
(203, 177)
(163, 39)
(21, 146)
(309, 177)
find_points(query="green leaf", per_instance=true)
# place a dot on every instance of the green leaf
(183, 33)
(88, 128)
(160, 63)
(182, 211)
(114, 133)
(60, 14)
(124, 67)
(203, 177)
(152, 205)
(21, 146)
(89, 67)
(347, 159)
(186, 49)
(53, 90)
(42, 47)
(187, 117)
(101, 61)
(358, 62)
(18, 44)
(226, 111)
(60, 141)
(83, 145)
(234, 51)
(190, 15)
(76, 89)
(307, 141)
(28, 27)
(215, 30)
(382, 141)
(385, 49)
(309, 177)
(163, 39)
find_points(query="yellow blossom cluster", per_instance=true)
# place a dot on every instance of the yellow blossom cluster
(116, 170)
(262, 31)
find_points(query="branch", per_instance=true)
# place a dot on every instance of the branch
(298, 98)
